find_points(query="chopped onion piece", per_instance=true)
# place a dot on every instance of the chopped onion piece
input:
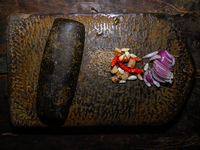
(165, 76)
(155, 57)
(150, 73)
(156, 83)
(155, 77)
(170, 81)
(167, 54)
(161, 71)
(147, 83)
(158, 63)
(148, 78)
(166, 58)
(173, 60)
(151, 54)
(164, 73)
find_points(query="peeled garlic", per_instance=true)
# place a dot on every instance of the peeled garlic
(132, 77)
(125, 49)
(132, 55)
(114, 70)
(146, 66)
(122, 81)
(122, 57)
(139, 77)
(127, 54)
(121, 70)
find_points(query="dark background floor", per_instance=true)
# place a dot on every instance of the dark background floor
(182, 133)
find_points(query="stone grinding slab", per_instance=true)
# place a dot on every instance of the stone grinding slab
(97, 101)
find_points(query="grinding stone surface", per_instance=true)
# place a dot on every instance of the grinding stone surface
(97, 101)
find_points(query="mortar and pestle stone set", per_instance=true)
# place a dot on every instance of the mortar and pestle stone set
(52, 81)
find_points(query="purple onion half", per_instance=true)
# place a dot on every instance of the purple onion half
(161, 71)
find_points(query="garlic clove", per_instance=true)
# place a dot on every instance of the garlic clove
(132, 77)
(132, 55)
(139, 77)
(125, 49)
(121, 57)
(127, 54)
(146, 66)
(114, 70)
(122, 81)
(121, 70)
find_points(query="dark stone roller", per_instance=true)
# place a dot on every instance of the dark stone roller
(59, 70)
